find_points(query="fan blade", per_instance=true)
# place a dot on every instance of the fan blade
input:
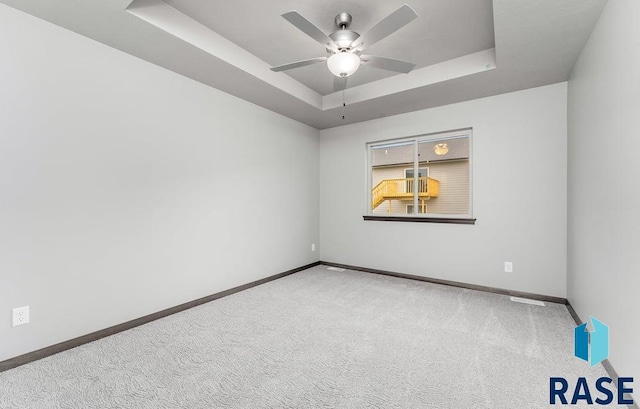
(309, 29)
(389, 25)
(388, 64)
(339, 83)
(298, 64)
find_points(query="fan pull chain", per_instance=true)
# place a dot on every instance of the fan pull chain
(344, 104)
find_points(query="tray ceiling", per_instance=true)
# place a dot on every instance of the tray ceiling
(463, 49)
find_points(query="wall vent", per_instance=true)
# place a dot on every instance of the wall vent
(527, 301)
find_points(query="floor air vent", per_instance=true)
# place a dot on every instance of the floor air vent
(527, 301)
(335, 269)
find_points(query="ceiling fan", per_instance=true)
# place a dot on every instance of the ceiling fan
(345, 46)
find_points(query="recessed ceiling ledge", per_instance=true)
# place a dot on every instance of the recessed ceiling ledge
(458, 67)
(167, 18)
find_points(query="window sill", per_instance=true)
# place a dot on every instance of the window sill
(419, 219)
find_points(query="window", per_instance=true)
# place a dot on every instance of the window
(424, 178)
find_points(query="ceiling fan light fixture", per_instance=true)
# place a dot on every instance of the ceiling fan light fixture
(441, 149)
(343, 64)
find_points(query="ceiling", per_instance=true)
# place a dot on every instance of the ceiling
(463, 49)
(428, 40)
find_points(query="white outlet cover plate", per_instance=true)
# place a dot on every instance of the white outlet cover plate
(508, 267)
(20, 316)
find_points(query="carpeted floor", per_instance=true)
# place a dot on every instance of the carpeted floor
(319, 339)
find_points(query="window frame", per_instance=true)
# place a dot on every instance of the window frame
(463, 218)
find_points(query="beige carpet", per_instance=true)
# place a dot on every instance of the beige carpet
(319, 339)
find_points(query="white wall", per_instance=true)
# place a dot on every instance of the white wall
(519, 196)
(604, 173)
(126, 189)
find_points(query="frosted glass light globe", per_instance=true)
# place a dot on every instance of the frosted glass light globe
(343, 64)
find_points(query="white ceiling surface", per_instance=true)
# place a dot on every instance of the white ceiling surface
(233, 43)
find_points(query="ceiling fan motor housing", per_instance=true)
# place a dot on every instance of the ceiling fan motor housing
(343, 37)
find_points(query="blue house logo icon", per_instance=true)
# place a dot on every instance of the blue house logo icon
(598, 339)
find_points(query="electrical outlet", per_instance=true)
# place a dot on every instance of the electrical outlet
(313, 246)
(508, 267)
(20, 316)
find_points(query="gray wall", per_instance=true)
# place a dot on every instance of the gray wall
(604, 199)
(519, 196)
(126, 189)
